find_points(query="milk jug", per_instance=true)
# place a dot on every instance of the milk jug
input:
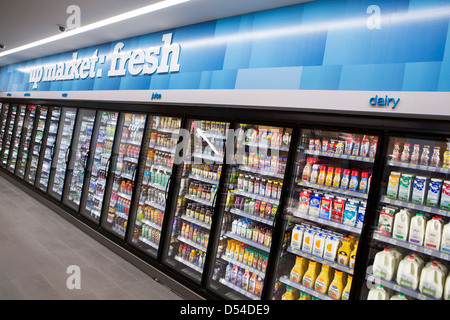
(397, 255)
(297, 237)
(378, 293)
(401, 225)
(384, 265)
(445, 241)
(408, 273)
(399, 296)
(447, 288)
(432, 281)
(417, 229)
(433, 233)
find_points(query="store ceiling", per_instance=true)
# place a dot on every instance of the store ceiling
(24, 21)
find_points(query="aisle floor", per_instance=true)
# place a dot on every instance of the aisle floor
(37, 246)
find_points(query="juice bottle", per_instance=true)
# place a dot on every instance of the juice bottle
(298, 270)
(337, 285)
(246, 280)
(310, 275)
(346, 291)
(323, 280)
(353, 256)
(289, 294)
(344, 252)
(322, 175)
(446, 161)
(304, 296)
(258, 286)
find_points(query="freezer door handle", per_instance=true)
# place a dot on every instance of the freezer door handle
(53, 150)
(107, 167)
(86, 160)
(213, 204)
(167, 186)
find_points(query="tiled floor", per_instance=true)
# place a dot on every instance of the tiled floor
(37, 246)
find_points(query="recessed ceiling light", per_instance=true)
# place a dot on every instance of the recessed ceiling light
(102, 23)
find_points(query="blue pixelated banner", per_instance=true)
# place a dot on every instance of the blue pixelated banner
(389, 45)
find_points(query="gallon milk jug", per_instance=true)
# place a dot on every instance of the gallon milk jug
(384, 265)
(417, 229)
(408, 273)
(378, 293)
(432, 281)
(401, 225)
(397, 255)
(447, 288)
(399, 296)
(433, 233)
(445, 240)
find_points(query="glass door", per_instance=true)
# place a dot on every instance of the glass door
(47, 157)
(15, 141)
(3, 122)
(254, 189)
(9, 135)
(92, 201)
(26, 141)
(409, 254)
(194, 212)
(324, 214)
(36, 145)
(124, 166)
(78, 159)
(148, 221)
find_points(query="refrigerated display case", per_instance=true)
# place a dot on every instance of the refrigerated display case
(193, 216)
(78, 158)
(36, 145)
(148, 219)
(15, 141)
(62, 152)
(253, 196)
(4, 118)
(410, 249)
(124, 166)
(9, 131)
(24, 148)
(324, 214)
(92, 201)
(47, 155)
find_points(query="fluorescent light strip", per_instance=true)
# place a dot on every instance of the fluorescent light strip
(102, 23)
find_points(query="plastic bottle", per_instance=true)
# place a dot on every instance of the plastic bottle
(307, 169)
(309, 278)
(228, 271)
(322, 175)
(246, 280)
(345, 179)
(348, 286)
(446, 161)
(363, 184)
(298, 270)
(337, 177)
(353, 256)
(384, 265)
(435, 158)
(432, 281)
(425, 157)
(417, 229)
(329, 178)
(365, 145)
(401, 225)
(337, 285)
(323, 280)
(405, 154)
(344, 252)
(447, 288)
(378, 293)
(353, 184)
(415, 154)
(433, 233)
(445, 240)
(252, 283)
(399, 296)
(408, 273)
(290, 294)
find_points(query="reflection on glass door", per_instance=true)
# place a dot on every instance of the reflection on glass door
(324, 215)
(3, 122)
(26, 141)
(253, 197)
(35, 148)
(62, 153)
(194, 212)
(153, 192)
(97, 175)
(15, 141)
(124, 173)
(78, 160)
(412, 224)
(9, 135)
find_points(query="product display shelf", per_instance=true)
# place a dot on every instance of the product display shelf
(299, 286)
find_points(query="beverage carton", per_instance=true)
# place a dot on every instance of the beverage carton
(392, 188)
(405, 186)
(445, 196)
(434, 192)
(419, 190)
(326, 206)
(385, 221)
(350, 213)
(303, 201)
(314, 204)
